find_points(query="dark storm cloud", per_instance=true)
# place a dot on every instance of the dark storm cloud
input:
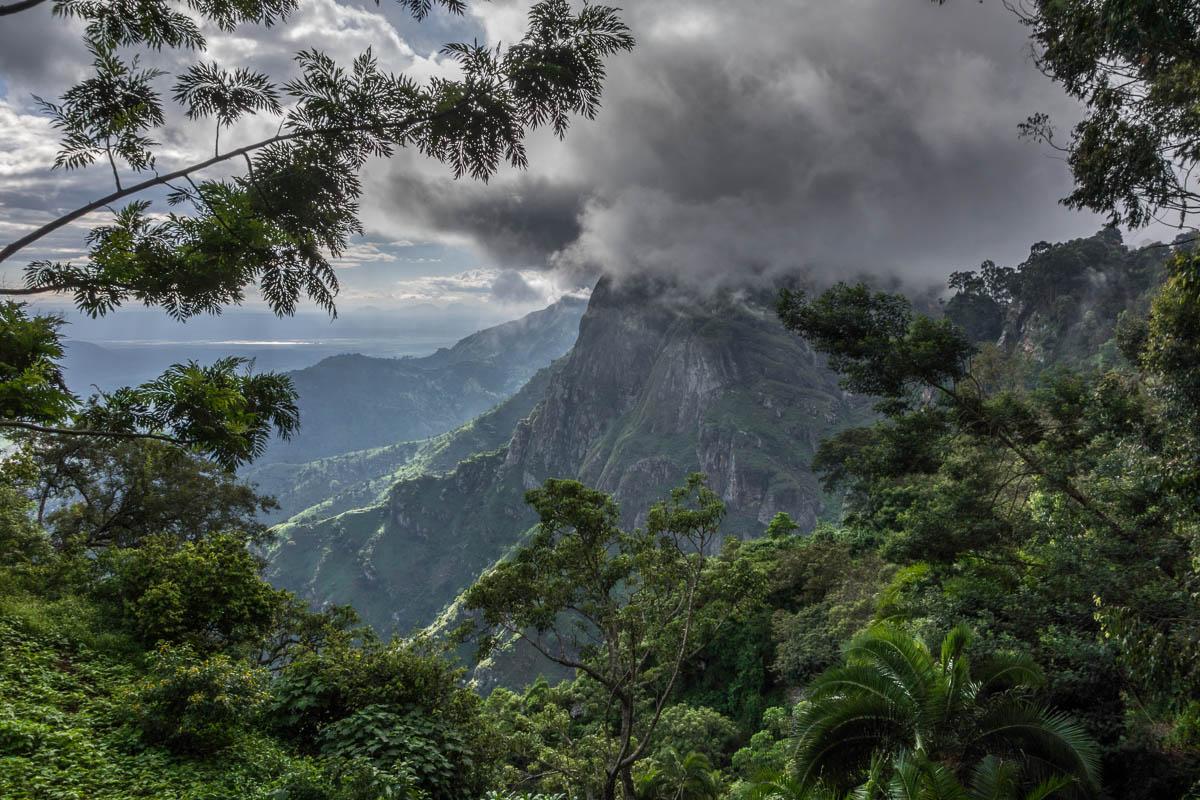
(518, 219)
(37, 51)
(750, 138)
(739, 139)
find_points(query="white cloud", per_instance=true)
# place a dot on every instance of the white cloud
(505, 286)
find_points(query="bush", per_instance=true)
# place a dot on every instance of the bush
(207, 594)
(320, 687)
(195, 705)
(435, 755)
(392, 704)
(357, 779)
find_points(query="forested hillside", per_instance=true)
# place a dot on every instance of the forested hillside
(656, 387)
(1010, 565)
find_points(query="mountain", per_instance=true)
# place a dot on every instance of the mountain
(658, 385)
(331, 485)
(355, 402)
(1068, 297)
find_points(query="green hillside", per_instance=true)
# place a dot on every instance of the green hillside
(651, 392)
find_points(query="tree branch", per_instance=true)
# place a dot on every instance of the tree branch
(32, 290)
(24, 5)
(29, 426)
(161, 180)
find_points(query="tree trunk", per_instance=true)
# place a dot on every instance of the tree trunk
(627, 783)
(610, 786)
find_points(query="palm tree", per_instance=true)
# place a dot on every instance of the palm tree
(898, 722)
(672, 777)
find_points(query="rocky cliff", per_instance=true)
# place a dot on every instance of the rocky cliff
(658, 385)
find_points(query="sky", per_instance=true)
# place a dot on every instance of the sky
(740, 141)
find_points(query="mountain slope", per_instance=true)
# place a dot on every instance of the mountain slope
(329, 486)
(657, 386)
(354, 402)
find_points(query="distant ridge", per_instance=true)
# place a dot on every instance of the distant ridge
(355, 402)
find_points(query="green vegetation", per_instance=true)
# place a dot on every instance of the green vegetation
(162, 664)
(623, 609)
(1002, 601)
(1003, 607)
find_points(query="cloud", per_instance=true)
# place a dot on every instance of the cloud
(511, 287)
(741, 140)
(507, 287)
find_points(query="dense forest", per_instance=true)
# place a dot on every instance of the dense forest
(1006, 606)
(1001, 601)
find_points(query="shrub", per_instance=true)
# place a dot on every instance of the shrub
(194, 704)
(357, 779)
(207, 594)
(392, 704)
(438, 757)
(320, 687)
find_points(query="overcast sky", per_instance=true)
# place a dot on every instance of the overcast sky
(740, 140)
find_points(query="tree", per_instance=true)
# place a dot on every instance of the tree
(1133, 66)
(207, 594)
(553, 738)
(920, 365)
(688, 729)
(97, 492)
(625, 609)
(670, 776)
(275, 226)
(1054, 511)
(934, 717)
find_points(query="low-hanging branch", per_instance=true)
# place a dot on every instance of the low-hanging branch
(30, 426)
(17, 245)
(402, 128)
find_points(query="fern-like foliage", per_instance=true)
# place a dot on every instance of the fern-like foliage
(896, 721)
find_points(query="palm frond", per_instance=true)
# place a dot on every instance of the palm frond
(898, 654)
(1053, 739)
(994, 779)
(1009, 671)
(837, 737)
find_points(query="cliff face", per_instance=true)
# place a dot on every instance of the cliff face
(657, 385)
(353, 402)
